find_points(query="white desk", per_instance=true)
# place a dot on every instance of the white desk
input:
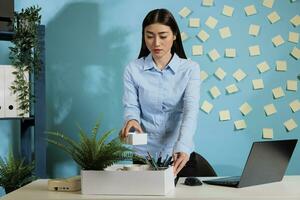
(288, 189)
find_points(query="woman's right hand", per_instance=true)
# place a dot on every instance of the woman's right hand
(130, 124)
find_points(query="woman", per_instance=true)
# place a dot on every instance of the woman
(162, 91)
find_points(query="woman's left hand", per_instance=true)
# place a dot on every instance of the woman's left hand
(180, 159)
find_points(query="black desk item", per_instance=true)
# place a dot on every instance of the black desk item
(192, 181)
(266, 163)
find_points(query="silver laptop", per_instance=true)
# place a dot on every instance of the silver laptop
(266, 163)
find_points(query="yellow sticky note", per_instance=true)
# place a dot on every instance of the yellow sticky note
(203, 36)
(254, 30)
(268, 3)
(207, 3)
(267, 133)
(215, 92)
(214, 55)
(278, 92)
(239, 75)
(225, 32)
(295, 53)
(197, 50)
(230, 53)
(232, 89)
(250, 10)
(254, 50)
(206, 107)
(184, 36)
(290, 124)
(224, 115)
(281, 65)
(295, 105)
(263, 67)
(295, 20)
(293, 37)
(291, 85)
(203, 75)
(240, 124)
(245, 109)
(258, 84)
(211, 22)
(184, 12)
(277, 40)
(227, 11)
(270, 109)
(220, 73)
(194, 22)
(273, 17)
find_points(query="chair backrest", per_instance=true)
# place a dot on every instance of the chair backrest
(197, 166)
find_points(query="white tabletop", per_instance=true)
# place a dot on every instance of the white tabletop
(288, 189)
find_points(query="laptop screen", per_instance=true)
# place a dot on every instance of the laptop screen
(267, 162)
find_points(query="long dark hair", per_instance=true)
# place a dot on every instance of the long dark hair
(165, 17)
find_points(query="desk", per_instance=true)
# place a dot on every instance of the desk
(288, 189)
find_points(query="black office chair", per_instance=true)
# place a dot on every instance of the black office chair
(197, 166)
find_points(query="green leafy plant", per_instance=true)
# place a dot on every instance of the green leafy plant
(14, 173)
(89, 152)
(25, 55)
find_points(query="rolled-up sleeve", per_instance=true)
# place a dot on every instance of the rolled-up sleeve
(191, 99)
(130, 96)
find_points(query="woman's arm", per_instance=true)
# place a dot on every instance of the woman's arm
(130, 103)
(184, 145)
(191, 99)
(130, 97)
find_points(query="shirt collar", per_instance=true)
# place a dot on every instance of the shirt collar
(173, 64)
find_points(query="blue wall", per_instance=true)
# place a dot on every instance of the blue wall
(89, 43)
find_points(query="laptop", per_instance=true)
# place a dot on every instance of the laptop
(266, 163)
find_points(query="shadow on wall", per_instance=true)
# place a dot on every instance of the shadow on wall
(84, 76)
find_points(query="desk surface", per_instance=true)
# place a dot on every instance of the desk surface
(288, 189)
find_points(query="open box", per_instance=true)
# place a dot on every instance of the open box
(114, 181)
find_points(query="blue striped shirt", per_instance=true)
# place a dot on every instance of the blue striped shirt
(165, 103)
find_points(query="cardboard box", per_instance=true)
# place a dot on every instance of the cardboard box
(134, 138)
(114, 181)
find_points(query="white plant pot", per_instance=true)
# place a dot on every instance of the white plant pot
(113, 181)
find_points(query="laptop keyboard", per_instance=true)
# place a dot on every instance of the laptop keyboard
(230, 181)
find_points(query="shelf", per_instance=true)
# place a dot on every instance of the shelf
(33, 146)
(7, 36)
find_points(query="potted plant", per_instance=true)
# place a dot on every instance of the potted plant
(98, 174)
(15, 173)
(91, 153)
(25, 55)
